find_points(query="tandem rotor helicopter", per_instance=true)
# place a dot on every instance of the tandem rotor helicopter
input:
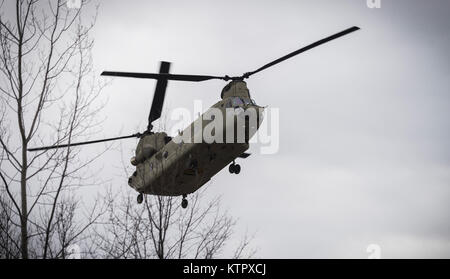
(167, 166)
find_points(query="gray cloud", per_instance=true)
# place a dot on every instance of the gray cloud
(364, 154)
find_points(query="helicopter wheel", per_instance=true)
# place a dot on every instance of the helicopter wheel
(231, 168)
(184, 202)
(234, 168)
(237, 169)
(140, 198)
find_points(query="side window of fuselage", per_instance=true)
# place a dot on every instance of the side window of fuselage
(236, 102)
(247, 101)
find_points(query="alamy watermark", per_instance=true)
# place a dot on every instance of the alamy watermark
(228, 125)
(73, 4)
(373, 4)
(373, 251)
(73, 252)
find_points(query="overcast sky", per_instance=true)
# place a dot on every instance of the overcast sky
(364, 120)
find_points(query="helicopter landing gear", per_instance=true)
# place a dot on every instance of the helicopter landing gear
(184, 202)
(140, 198)
(234, 168)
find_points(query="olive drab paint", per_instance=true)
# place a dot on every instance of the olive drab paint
(181, 165)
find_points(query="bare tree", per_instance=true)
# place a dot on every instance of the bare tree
(48, 94)
(160, 228)
(9, 236)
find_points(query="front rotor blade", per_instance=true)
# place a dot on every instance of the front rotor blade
(83, 143)
(160, 93)
(313, 45)
(194, 78)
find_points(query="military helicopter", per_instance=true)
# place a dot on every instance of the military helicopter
(171, 166)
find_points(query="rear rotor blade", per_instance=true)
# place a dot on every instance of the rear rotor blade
(313, 45)
(194, 78)
(197, 78)
(160, 93)
(83, 143)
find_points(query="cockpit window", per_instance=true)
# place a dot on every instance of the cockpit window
(236, 102)
(247, 101)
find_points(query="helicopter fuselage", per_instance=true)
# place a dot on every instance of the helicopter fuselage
(180, 165)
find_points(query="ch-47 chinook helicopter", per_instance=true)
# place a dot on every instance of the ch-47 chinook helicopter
(169, 166)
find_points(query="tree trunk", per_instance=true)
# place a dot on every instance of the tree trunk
(24, 215)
